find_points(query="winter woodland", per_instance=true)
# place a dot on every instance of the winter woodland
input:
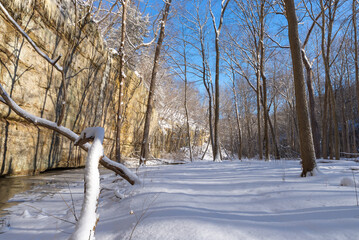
(245, 124)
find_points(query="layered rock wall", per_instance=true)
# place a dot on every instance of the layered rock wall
(36, 86)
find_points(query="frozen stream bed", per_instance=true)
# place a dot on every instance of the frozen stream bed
(248, 199)
(29, 189)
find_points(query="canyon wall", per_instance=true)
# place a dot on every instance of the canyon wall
(36, 86)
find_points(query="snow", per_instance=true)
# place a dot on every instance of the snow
(137, 74)
(113, 51)
(247, 199)
(347, 182)
(88, 219)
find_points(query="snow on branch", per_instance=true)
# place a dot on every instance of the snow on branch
(105, 161)
(85, 227)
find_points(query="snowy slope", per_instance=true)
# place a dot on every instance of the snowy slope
(205, 200)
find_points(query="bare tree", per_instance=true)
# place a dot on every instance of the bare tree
(329, 98)
(235, 100)
(197, 23)
(121, 78)
(253, 15)
(217, 30)
(309, 74)
(146, 132)
(356, 59)
(305, 134)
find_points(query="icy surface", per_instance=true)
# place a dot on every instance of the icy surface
(205, 200)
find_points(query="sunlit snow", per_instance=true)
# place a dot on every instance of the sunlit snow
(247, 199)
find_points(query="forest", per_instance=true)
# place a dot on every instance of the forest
(136, 83)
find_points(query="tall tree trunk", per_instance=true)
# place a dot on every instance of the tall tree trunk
(122, 76)
(332, 7)
(330, 136)
(345, 131)
(240, 145)
(275, 123)
(186, 104)
(352, 117)
(264, 80)
(313, 119)
(260, 145)
(305, 134)
(216, 153)
(146, 132)
(274, 139)
(356, 63)
(206, 85)
(336, 125)
(276, 151)
(324, 124)
(248, 127)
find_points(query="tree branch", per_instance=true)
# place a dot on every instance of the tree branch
(53, 62)
(37, 121)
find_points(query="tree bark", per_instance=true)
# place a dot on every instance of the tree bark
(264, 80)
(216, 153)
(305, 134)
(356, 63)
(259, 137)
(313, 119)
(146, 132)
(240, 145)
(326, 59)
(216, 145)
(353, 141)
(121, 78)
(185, 102)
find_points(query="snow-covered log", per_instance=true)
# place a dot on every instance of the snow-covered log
(85, 227)
(105, 161)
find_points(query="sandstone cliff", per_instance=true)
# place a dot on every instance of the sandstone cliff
(36, 86)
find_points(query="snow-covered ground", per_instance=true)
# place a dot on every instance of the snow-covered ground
(204, 200)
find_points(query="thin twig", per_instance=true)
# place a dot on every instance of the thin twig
(37, 121)
(355, 186)
(41, 211)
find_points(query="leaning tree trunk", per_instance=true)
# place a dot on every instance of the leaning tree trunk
(305, 134)
(313, 119)
(150, 102)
